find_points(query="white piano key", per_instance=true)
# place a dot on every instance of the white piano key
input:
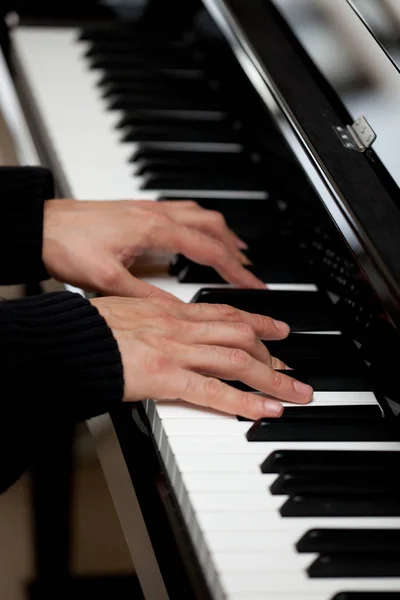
(226, 445)
(252, 521)
(219, 463)
(188, 427)
(251, 562)
(284, 582)
(220, 501)
(80, 129)
(182, 410)
(227, 482)
(287, 531)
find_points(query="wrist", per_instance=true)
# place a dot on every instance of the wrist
(55, 214)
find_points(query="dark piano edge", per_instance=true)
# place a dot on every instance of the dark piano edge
(161, 512)
(235, 18)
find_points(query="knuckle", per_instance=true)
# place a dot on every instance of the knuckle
(156, 221)
(226, 312)
(156, 363)
(240, 358)
(246, 404)
(188, 386)
(213, 388)
(108, 277)
(245, 330)
(192, 204)
(276, 380)
(217, 217)
(261, 322)
(167, 321)
(220, 254)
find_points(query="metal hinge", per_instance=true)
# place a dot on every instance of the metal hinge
(359, 136)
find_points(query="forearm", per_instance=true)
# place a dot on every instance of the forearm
(23, 191)
(58, 361)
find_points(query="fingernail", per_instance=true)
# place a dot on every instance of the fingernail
(241, 244)
(283, 327)
(273, 409)
(303, 390)
(243, 258)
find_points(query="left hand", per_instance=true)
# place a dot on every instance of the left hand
(93, 244)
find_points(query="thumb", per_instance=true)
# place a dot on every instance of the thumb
(118, 281)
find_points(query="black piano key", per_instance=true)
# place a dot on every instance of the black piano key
(283, 460)
(171, 78)
(185, 91)
(176, 181)
(187, 170)
(312, 347)
(341, 379)
(160, 133)
(195, 162)
(326, 412)
(142, 61)
(142, 117)
(120, 31)
(138, 97)
(160, 49)
(367, 596)
(130, 102)
(341, 506)
(182, 87)
(303, 311)
(356, 565)
(335, 483)
(205, 181)
(138, 72)
(149, 155)
(322, 430)
(276, 270)
(323, 541)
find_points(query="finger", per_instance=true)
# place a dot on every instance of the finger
(235, 364)
(278, 364)
(209, 222)
(212, 393)
(175, 208)
(206, 251)
(229, 335)
(117, 281)
(264, 327)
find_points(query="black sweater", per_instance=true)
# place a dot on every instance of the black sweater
(58, 357)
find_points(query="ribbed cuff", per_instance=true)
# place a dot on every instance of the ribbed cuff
(66, 355)
(23, 191)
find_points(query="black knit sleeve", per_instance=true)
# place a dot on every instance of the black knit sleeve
(23, 191)
(59, 362)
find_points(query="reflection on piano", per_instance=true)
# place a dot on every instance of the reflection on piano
(308, 506)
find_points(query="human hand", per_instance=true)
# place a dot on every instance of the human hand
(93, 244)
(179, 351)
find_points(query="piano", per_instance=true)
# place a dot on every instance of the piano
(248, 108)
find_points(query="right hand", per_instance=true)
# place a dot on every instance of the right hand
(173, 351)
(92, 245)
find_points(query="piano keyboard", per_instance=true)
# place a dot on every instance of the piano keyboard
(264, 517)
